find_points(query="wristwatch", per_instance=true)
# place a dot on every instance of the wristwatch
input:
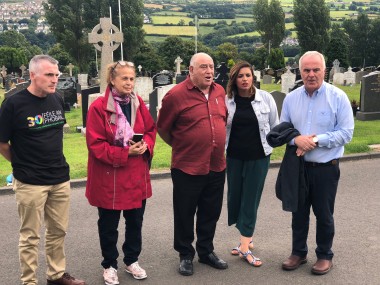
(315, 139)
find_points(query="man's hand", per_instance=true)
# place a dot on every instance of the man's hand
(304, 144)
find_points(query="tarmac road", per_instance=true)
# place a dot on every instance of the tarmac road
(356, 245)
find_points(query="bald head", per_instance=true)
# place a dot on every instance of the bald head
(202, 71)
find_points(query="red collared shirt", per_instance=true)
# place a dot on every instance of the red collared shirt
(197, 127)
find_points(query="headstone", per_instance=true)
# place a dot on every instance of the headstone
(67, 88)
(3, 71)
(287, 81)
(22, 68)
(358, 76)
(178, 62)
(257, 73)
(8, 82)
(267, 79)
(143, 87)
(336, 67)
(83, 80)
(370, 97)
(338, 79)
(181, 77)
(85, 98)
(70, 66)
(222, 75)
(349, 77)
(106, 38)
(162, 79)
(139, 68)
(279, 99)
(155, 99)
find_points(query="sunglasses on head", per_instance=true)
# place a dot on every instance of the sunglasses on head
(123, 63)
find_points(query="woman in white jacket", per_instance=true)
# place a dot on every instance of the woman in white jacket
(252, 113)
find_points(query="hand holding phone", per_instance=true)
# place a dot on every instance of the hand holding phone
(137, 137)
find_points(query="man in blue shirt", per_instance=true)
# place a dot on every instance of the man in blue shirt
(322, 114)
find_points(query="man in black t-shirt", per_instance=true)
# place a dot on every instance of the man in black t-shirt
(31, 138)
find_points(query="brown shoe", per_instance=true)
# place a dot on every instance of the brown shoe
(293, 262)
(322, 266)
(66, 279)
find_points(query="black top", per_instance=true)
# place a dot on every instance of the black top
(245, 142)
(34, 128)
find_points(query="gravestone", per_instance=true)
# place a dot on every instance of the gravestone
(349, 77)
(106, 38)
(85, 104)
(338, 79)
(358, 76)
(222, 75)
(67, 88)
(162, 79)
(267, 79)
(8, 82)
(139, 68)
(23, 70)
(143, 87)
(181, 77)
(155, 99)
(287, 81)
(370, 97)
(178, 62)
(257, 73)
(279, 99)
(83, 80)
(70, 66)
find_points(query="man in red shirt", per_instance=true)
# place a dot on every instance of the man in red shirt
(192, 121)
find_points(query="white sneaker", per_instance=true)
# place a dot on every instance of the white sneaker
(110, 276)
(136, 271)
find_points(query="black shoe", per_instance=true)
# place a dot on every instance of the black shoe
(213, 260)
(186, 267)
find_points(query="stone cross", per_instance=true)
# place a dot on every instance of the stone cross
(71, 66)
(178, 62)
(106, 38)
(336, 66)
(3, 71)
(139, 68)
(22, 68)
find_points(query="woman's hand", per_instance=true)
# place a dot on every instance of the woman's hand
(137, 148)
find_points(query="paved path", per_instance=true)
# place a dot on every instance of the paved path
(356, 246)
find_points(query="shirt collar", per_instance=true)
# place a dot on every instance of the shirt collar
(316, 92)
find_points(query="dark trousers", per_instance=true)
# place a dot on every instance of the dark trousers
(323, 184)
(108, 234)
(201, 195)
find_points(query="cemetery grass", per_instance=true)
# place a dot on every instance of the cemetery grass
(75, 150)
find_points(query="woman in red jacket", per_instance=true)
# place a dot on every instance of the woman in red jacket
(118, 167)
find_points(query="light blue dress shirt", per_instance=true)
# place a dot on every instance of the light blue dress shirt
(327, 114)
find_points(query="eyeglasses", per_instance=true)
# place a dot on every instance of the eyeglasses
(123, 63)
(53, 74)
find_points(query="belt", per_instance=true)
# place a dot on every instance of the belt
(315, 164)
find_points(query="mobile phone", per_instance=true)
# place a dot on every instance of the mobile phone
(137, 137)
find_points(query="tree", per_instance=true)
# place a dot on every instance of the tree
(337, 47)
(270, 22)
(358, 33)
(12, 58)
(67, 25)
(61, 55)
(276, 58)
(17, 40)
(312, 21)
(148, 58)
(259, 58)
(225, 52)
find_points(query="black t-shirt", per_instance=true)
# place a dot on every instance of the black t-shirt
(34, 128)
(245, 141)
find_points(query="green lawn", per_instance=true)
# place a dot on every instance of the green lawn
(366, 133)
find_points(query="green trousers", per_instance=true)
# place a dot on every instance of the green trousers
(245, 180)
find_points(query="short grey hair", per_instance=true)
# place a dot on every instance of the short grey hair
(312, 53)
(195, 56)
(36, 60)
